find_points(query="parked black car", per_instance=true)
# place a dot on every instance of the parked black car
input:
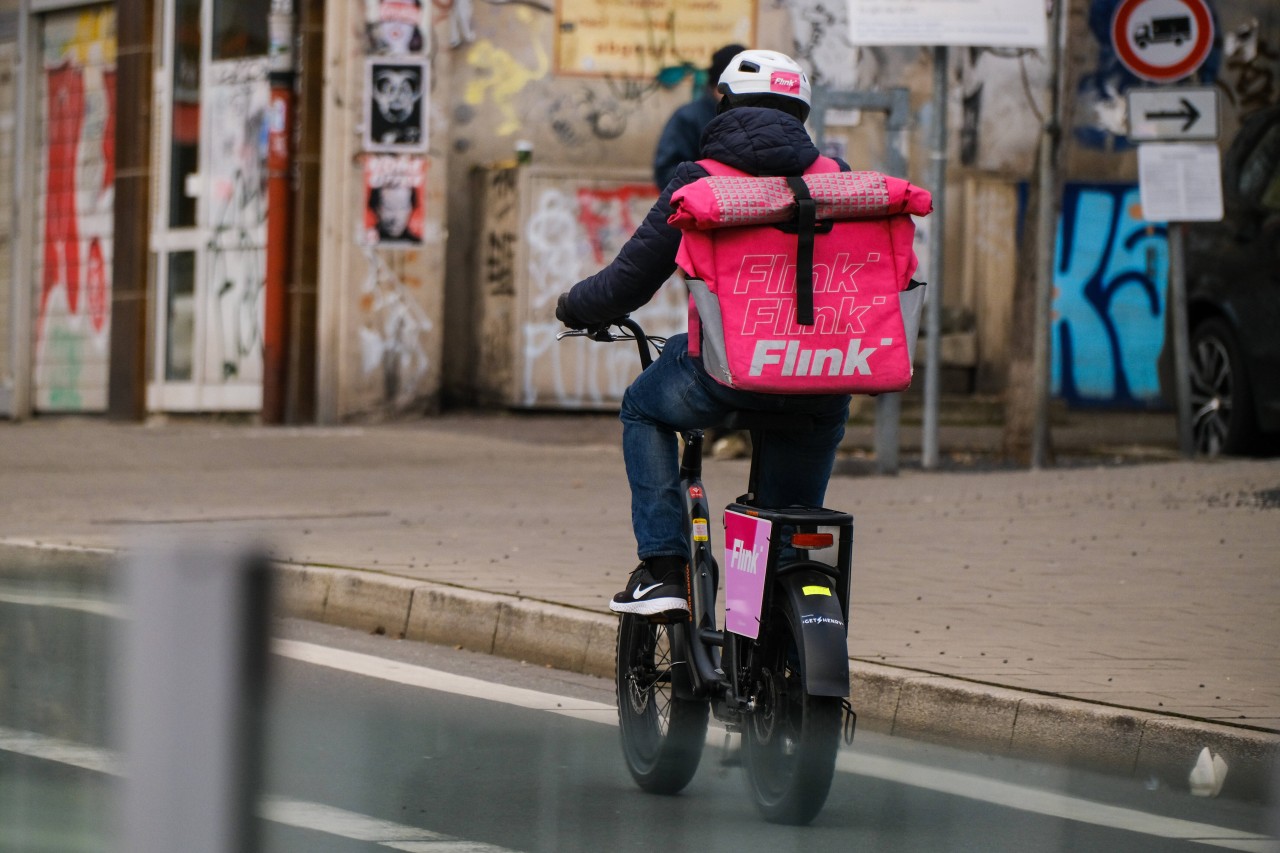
(1233, 302)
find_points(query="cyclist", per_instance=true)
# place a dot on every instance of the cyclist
(759, 129)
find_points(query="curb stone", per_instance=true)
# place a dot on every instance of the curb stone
(1161, 749)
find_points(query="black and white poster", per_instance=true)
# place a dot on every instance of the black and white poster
(396, 105)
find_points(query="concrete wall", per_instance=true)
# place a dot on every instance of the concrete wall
(381, 321)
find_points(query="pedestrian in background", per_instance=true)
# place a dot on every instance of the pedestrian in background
(681, 138)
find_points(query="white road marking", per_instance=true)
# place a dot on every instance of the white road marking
(62, 751)
(283, 810)
(11, 595)
(446, 682)
(1050, 803)
(951, 782)
(358, 827)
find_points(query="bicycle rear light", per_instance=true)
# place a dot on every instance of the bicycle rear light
(812, 540)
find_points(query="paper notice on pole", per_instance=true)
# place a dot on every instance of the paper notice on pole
(1180, 181)
(964, 23)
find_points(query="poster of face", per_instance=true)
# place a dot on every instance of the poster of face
(396, 27)
(394, 188)
(395, 109)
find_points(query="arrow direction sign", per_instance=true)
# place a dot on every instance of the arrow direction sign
(1188, 112)
(1173, 114)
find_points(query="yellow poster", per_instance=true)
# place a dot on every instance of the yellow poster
(637, 38)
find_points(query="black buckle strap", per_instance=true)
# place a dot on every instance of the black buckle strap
(806, 218)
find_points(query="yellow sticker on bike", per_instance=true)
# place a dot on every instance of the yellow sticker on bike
(700, 530)
(815, 590)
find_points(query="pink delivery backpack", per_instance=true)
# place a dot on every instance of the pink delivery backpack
(801, 285)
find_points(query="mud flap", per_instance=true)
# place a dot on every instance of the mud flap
(822, 632)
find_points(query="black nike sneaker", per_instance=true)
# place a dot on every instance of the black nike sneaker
(658, 585)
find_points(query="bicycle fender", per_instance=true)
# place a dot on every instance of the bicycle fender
(824, 649)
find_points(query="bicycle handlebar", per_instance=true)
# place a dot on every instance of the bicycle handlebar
(632, 332)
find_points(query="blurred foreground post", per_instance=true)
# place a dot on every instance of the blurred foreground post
(191, 694)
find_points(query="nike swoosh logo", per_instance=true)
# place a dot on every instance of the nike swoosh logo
(642, 591)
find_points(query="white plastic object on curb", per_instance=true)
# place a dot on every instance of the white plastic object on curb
(1208, 774)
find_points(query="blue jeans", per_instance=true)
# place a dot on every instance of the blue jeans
(675, 393)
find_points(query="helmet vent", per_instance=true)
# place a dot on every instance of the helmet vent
(749, 67)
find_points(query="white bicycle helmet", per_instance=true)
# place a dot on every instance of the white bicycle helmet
(765, 72)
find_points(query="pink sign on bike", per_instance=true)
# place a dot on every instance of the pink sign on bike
(746, 553)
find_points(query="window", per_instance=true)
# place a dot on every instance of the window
(239, 28)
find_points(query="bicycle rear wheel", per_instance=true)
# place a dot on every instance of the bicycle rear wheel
(790, 740)
(662, 734)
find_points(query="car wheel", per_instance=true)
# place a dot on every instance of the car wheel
(1222, 418)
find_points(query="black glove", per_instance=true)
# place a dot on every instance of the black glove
(564, 315)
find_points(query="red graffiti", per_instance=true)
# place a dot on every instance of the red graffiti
(96, 285)
(607, 216)
(61, 234)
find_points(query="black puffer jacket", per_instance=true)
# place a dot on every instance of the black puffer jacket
(756, 140)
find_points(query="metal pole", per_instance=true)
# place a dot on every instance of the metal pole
(889, 406)
(1046, 235)
(279, 214)
(1181, 339)
(896, 104)
(191, 689)
(933, 315)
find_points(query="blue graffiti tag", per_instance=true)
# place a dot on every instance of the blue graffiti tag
(1110, 272)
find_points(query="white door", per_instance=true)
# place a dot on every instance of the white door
(209, 231)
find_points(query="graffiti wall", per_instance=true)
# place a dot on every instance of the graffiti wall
(498, 245)
(571, 231)
(381, 264)
(1110, 277)
(542, 230)
(72, 301)
(236, 257)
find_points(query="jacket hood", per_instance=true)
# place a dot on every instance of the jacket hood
(760, 141)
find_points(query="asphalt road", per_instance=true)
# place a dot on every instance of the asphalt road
(376, 744)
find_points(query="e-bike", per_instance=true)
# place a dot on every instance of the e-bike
(777, 672)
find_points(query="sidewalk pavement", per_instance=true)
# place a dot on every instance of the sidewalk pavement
(1117, 611)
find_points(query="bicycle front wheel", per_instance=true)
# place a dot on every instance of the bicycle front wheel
(662, 734)
(791, 738)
